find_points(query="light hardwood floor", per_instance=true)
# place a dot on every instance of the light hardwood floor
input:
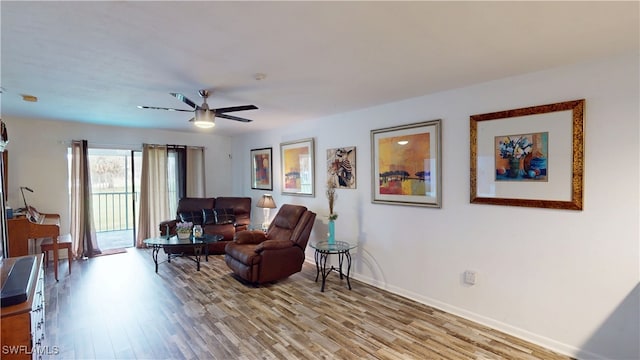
(116, 307)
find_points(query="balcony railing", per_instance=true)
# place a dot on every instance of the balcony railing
(112, 211)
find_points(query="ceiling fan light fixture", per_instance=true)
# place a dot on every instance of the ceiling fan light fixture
(204, 118)
(205, 124)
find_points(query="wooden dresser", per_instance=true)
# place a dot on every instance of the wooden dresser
(22, 325)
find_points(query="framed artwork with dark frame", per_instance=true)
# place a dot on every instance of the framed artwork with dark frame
(298, 167)
(529, 157)
(262, 169)
(407, 163)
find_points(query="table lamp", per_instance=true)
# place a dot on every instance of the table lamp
(266, 203)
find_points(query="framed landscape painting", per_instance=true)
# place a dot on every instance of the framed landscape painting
(529, 156)
(407, 164)
(297, 168)
(261, 169)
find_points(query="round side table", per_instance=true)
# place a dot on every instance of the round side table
(322, 251)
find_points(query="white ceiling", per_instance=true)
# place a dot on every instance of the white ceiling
(96, 61)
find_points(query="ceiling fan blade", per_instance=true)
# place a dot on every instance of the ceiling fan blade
(184, 99)
(235, 108)
(162, 108)
(225, 116)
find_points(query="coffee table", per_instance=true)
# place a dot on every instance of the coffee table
(323, 250)
(172, 241)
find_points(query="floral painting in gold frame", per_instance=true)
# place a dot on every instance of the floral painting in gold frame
(529, 157)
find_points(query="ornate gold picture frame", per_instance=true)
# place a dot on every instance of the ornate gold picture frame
(549, 178)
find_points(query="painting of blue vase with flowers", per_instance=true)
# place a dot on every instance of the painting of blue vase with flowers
(522, 157)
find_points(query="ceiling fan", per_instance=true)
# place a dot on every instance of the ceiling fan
(205, 117)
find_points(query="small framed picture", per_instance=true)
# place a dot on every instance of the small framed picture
(262, 169)
(298, 167)
(341, 167)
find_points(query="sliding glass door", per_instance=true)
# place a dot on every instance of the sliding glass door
(115, 178)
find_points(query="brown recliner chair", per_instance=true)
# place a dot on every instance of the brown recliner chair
(259, 257)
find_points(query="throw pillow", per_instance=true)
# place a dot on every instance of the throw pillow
(208, 217)
(194, 217)
(224, 216)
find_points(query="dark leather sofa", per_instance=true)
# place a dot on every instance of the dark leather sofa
(221, 215)
(259, 257)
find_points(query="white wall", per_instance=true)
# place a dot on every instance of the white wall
(570, 283)
(563, 279)
(38, 158)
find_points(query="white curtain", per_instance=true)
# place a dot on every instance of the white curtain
(195, 178)
(154, 203)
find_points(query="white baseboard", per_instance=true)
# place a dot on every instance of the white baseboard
(480, 319)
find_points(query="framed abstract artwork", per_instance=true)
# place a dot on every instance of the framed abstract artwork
(262, 169)
(529, 156)
(297, 168)
(341, 167)
(406, 164)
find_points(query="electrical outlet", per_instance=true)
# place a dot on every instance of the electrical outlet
(470, 277)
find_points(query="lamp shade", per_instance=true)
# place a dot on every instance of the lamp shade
(266, 202)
